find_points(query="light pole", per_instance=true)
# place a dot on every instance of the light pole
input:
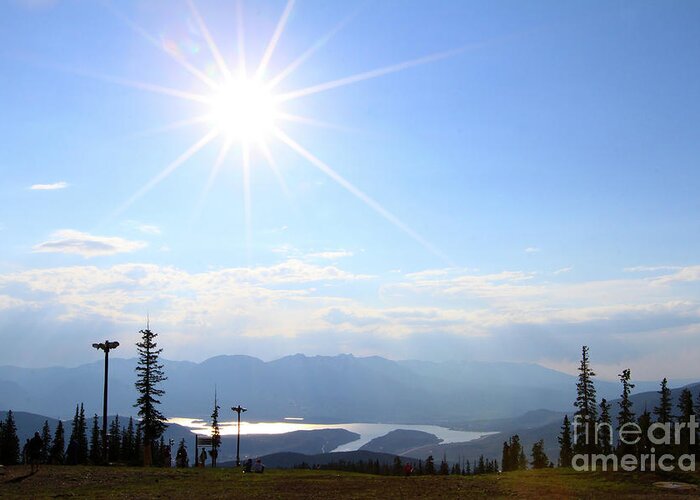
(238, 409)
(106, 346)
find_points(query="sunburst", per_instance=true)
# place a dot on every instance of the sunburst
(243, 107)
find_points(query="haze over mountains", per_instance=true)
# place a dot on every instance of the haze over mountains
(341, 388)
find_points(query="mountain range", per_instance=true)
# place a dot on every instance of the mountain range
(319, 389)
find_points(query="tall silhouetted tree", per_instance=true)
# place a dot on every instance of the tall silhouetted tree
(663, 411)
(625, 415)
(9, 445)
(79, 434)
(605, 429)
(58, 445)
(127, 447)
(566, 449)
(149, 376)
(216, 433)
(115, 440)
(539, 457)
(685, 405)
(505, 457)
(95, 442)
(586, 408)
(45, 442)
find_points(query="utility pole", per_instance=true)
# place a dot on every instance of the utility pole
(238, 409)
(105, 346)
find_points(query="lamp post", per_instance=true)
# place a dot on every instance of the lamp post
(238, 409)
(106, 346)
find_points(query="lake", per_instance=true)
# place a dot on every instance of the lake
(366, 431)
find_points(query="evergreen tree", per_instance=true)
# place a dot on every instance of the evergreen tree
(626, 415)
(663, 411)
(115, 440)
(82, 437)
(522, 460)
(539, 457)
(444, 467)
(605, 430)
(95, 455)
(685, 405)
(456, 469)
(397, 468)
(137, 457)
(45, 442)
(9, 446)
(566, 451)
(505, 457)
(128, 454)
(481, 465)
(58, 445)
(216, 433)
(468, 468)
(586, 408)
(149, 376)
(644, 422)
(430, 465)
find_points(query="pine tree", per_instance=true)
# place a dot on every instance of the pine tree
(82, 437)
(685, 405)
(626, 415)
(58, 445)
(216, 433)
(127, 447)
(149, 376)
(505, 457)
(430, 465)
(444, 467)
(45, 442)
(95, 455)
(522, 460)
(586, 408)
(539, 457)
(566, 451)
(605, 430)
(115, 440)
(644, 422)
(663, 411)
(9, 446)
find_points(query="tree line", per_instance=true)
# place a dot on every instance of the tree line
(136, 443)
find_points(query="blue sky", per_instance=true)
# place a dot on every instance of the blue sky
(530, 188)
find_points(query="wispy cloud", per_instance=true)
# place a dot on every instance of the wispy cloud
(69, 241)
(650, 269)
(330, 255)
(532, 250)
(563, 270)
(142, 227)
(49, 187)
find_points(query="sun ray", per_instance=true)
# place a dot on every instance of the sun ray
(241, 38)
(157, 43)
(220, 157)
(273, 41)
(168, 170)
(273, 82)
(265, 150)
(312, 121)
(247, 208)
(370, 202)
(172, 126)
(367, 75)
(213, 48)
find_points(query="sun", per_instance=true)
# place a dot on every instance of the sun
(243, 110)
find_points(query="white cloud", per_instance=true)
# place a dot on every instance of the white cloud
(87, 245)
(329, 255)
(563, 270)
(49, 187)
(650, 269)
(142, 227)
(532, 250)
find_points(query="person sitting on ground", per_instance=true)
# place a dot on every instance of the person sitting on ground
(248, 466)
(259, 466)
(34, 452)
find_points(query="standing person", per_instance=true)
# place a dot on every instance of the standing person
(214, 453)
(203, 458)
(248, 467)
(34, 452)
